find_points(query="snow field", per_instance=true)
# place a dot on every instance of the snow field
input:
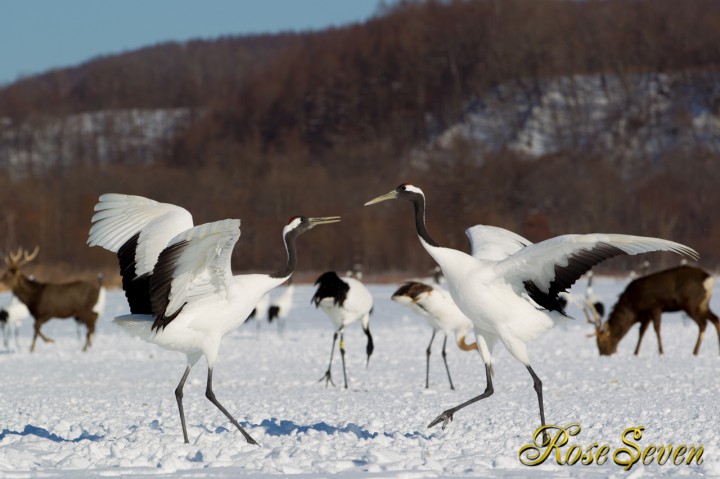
(112, 411)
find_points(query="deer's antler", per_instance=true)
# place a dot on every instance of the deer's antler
(29, 257)
(22, 257)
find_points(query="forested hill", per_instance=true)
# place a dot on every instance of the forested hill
(541, 116)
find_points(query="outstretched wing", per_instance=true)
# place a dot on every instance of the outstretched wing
(195, 265)
(493, 243)
(142, 226)
(549, 267)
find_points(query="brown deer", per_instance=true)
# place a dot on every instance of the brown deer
(683, 288)
(51, 300)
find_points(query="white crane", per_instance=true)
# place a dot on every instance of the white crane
(441, 313)
(280, 307)
(509, 287)
(260, 309)
(11, 317)
(344, 300)
(178, 279)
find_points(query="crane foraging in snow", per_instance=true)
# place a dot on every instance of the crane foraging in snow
(442, 314)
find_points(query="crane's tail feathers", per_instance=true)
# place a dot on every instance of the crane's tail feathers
(465, 346)
(138, 325)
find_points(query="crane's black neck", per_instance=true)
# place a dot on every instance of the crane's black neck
(419, 204)
(289, 268)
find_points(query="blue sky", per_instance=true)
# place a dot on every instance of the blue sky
(37, 35)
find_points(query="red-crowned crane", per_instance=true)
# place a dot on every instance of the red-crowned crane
(280, 307)
(178, 280)
(441, 313)
(509, 287)
(11, 317)
(344, 300)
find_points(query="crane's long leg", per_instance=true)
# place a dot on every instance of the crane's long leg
(211, 396)
(447, 415)
(328, 376)
(178, 397)
(342, 356)
(444, 356)
(537, 385)
(427, 360)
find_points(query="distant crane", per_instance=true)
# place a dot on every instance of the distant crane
(260, 309)
(11, 317)
(280, 307)
(442, 314)
(509, 287)
(344, 300)
(178, 280)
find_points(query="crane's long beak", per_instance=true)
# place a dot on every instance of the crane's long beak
(323, 220)
(387, 196)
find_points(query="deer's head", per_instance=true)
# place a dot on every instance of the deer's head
(14, 262)
(606, 344)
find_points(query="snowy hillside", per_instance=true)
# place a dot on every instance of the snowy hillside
(641, 117)
(112, 411)
(134, 135)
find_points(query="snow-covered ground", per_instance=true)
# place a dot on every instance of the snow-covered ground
(112, 411)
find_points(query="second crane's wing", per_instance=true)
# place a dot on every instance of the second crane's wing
(547, 268)
(492, 243)
(195, 265)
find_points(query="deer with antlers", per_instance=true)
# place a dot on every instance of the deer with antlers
(45, 301)
(684, 288)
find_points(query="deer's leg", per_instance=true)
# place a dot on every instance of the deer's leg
(643, 327)
(656, 326)
(89, 322)
(702, 325)
(37, 333)
(714, 319)
(700, 317)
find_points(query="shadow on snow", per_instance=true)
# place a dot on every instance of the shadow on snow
(273, 427)
(43, 433)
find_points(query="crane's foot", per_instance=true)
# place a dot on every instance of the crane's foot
(445, 418)
(328, 379)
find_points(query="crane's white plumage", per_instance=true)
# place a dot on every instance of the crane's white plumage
(435, 305)
(178, 277)
(261, 307)
(284, 301)
(509, 287)
(15, 312)
(345, 301)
